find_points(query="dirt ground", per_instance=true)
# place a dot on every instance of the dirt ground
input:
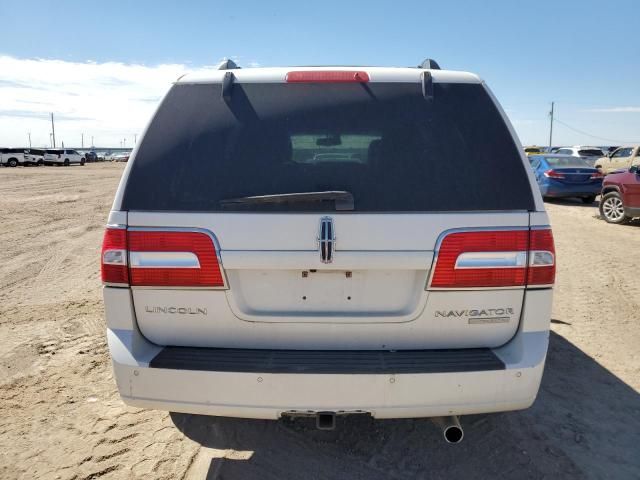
(61, 417)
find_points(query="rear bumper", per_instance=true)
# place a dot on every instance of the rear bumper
(510, 382)
(557, 190)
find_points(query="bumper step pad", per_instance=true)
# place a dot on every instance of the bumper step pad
(327, 361)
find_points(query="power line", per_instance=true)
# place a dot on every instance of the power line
(589, 134)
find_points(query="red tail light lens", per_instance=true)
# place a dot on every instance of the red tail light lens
(473, 271)
(500, 258)
(325, 76)
(553, 174)
(158, 258)
(596, 175)
(173, 259)
(113, 265)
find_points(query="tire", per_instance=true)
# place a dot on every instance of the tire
(40, 163)
(13, 162)
(612, 209)
(588, 200)
(82, 162)
(66, 162)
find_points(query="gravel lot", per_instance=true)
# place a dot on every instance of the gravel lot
(60, 415)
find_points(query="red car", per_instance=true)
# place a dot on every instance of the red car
(620, 200)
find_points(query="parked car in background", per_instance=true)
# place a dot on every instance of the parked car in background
(621, 196)
(64, 157)
(91, 157)
(120, 157)
(590, 154)
(563, 176)
(533, 150)
(34, 156)
(12, 157)
(620, 159)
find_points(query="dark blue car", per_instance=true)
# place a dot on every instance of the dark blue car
(561, 176)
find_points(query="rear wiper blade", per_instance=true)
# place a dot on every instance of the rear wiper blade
(343, 199)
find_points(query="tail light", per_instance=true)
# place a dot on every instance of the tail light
(491, 259)
(157, 258)
(596, 175)
(326, 76)
(553, 174)
(542, 258)
(113, 267)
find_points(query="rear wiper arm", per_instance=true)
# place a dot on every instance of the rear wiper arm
(343, 199)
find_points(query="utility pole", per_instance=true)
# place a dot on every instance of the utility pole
(135, 138)
(124, 142)
(50, 141)
(53, 130)
(92, 144)
(29, 139)
(551, 125)
(82, 140)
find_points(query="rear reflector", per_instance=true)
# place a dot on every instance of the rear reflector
(492, 259)
(325, 76)
(157, 258)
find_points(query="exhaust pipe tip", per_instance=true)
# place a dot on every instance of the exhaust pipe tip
(451, 428)
(453, 434)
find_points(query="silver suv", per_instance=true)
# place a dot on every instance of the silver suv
(327, 241)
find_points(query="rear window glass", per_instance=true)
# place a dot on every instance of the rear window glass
(590, 153)
(570, 162)
(381, 142)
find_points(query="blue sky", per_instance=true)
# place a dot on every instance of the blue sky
(585, 55)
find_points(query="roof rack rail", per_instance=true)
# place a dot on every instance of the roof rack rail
(429, 63)
(227, 64)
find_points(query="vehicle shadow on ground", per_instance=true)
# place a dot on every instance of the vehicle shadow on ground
(582, 425)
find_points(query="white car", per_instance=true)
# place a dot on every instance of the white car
(120, 157)
(590, 154)
(34, 156)
(247, 273)
(64, 157)
(12, 157)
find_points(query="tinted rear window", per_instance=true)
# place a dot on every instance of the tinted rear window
(382, 142)
(590, 153)
(568, 162)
